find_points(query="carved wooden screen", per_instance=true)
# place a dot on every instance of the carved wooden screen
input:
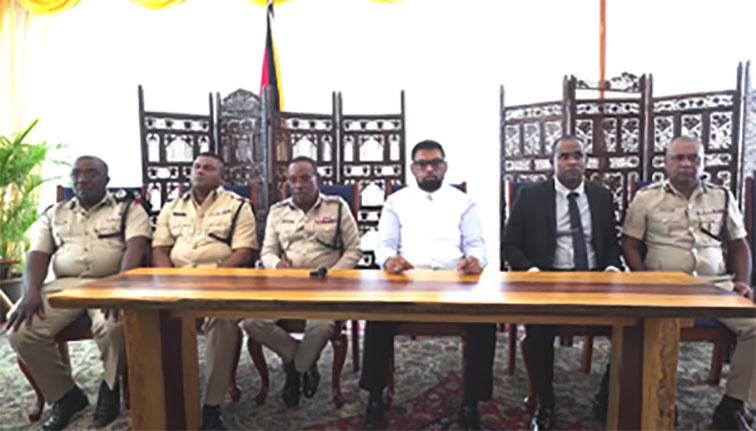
(170, 142)
(749, 126)
(526, 133)
(613, 130)
(241, 146)
(715, 119)
(303, 134)
(372, 154)
(710, 117)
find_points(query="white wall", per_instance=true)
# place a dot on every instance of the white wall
(449, 56)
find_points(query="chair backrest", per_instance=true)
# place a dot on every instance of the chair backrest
(349, 192)
(512, 189)
(246, 191)
(634, 187)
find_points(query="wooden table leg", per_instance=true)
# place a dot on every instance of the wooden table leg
(163, 370)
(660, 350)
(190, 367)
(143, 348)
(613, 406)
(630, 378)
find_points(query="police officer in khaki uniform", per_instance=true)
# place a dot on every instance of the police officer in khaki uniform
(307, 230)
(208, 227)
(93, 235)
(686, 224)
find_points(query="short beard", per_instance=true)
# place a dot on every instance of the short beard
(429, 185)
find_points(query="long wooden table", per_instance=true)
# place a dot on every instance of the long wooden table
(645, 311)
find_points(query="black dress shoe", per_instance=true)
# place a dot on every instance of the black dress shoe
(108, 405)
(374, 416)
(601, 399)
(543, 419)
(291, 389)
(469, 418)
(600, 406)
(212, 419)
(728, 419)
(310, 381)
(65, 408)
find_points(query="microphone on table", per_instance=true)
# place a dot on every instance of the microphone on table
(321, 272)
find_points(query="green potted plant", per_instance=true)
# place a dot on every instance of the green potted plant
(20, 178)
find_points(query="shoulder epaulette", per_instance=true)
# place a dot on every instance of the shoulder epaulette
(50, 206)
(122, 195)
(280, 204)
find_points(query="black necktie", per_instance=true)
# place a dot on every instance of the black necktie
(580, 254)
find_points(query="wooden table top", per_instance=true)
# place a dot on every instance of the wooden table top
(368, 292)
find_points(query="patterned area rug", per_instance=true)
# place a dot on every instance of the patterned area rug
(427, 397)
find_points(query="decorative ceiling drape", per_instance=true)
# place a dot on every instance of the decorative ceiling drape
(47, 7)
(50, 7)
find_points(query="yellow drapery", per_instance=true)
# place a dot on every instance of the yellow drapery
(264, 3)
(22, 42)
(157, 4)
(47, 7)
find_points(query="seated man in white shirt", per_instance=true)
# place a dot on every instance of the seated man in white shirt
(432, 226)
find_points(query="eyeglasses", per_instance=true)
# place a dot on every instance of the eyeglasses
(87, 174)
(435, 163)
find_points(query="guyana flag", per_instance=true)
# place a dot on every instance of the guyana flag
(270, 76)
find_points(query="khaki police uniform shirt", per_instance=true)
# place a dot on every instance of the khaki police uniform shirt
(87, 242)
(196, 232)
(681, 234)
(308, 240)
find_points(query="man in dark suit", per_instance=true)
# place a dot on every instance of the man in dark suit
(562, 224)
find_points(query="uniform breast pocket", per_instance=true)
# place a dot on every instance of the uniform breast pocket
(108, 229)
(326, 233)
(666, 222)
(179, 228)
(219, 230)
(61, 232)
(286, 233)
(712, 228)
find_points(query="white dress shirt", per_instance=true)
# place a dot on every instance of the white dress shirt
(564, 256)
(431, 230)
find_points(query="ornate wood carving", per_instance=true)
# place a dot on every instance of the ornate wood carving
(170, 142)
(371, 154)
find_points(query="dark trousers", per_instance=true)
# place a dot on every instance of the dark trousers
(539, 342)
(481, 343)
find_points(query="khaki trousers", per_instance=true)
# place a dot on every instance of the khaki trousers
(35, 343)
(221, 337)
(304, 354)
(741, 380)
